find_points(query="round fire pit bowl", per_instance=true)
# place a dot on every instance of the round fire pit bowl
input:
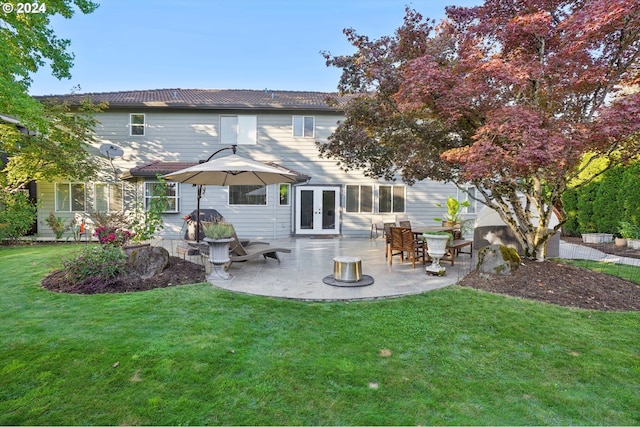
(347, 271)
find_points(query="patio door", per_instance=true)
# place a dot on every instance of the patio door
(317, 210)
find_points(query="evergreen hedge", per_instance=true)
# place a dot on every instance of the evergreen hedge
(601, 205)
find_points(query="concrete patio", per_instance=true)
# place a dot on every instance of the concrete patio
(299, 274)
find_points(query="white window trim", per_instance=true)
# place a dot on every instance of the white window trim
(293, 127)
(404, 196)
(176, 197)
(288, 194)
(109, 186)
(246, 129)
(69, 184)
(266, 197)
(132, 125)
(346, 193)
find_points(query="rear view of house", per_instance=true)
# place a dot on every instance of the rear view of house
(143, 134)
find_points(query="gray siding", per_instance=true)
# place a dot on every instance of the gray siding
(187, 135)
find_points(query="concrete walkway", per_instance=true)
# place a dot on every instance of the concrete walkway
(299, 274)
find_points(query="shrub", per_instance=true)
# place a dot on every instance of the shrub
(110, 235)
(571, 227)
(17, 215)
(96, 261)
(56, 224)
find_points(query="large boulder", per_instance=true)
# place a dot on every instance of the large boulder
(148, 261)
(498, 259)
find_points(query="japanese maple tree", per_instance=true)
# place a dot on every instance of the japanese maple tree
(509, 96)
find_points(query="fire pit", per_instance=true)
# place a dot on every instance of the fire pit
(347, 271)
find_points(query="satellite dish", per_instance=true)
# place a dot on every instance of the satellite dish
(111, 151)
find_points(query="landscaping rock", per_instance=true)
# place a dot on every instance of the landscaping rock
(498, 259)
(149, 261)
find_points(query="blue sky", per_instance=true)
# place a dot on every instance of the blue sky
(216, 44)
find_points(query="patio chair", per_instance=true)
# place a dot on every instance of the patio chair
(387, 237)
(242, 252)
(403, 241)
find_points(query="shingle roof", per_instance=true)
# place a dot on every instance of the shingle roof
(207, 99)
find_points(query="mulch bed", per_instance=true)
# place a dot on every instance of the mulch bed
(549, 281)
(178, 272)
(557, 283)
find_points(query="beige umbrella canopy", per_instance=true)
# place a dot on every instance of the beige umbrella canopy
(230, 170)
(233, 170)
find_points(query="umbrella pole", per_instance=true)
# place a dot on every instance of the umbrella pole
(199, 195)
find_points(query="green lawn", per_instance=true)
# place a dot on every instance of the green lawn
(196, 355)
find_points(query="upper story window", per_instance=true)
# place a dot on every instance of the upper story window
(304, 126)
(136, 124)
(239, 130)
(391, 198)
(255, 195)
(108, 197)
(70, 197)
(359, 198)
(154, 190)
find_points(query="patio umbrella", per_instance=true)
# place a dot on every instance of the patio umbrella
(230, 170)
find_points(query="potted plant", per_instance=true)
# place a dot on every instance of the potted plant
(454, 207)
(218, 235)
(437, 242)
(631, 233)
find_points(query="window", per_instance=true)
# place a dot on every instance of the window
(154, 190)
(391, 198)
(303, 126)
(136, 124)
(108, 197)
(359, 198)
(239, 130)
(255, 195)
(70, 197)
(285, 191)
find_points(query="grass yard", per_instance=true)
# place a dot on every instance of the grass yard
(194, 355)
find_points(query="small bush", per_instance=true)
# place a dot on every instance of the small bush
(104, 262)
(17, 215)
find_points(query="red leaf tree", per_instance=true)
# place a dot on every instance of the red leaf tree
(508, 96)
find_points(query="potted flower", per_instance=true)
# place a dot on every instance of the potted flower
(437, 242)
(218, 235)
(631, 233)
(454, 208)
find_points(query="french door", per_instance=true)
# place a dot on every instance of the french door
(317, 210)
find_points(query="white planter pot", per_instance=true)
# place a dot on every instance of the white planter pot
(633, 243)
(219, 256)
(436, 247)
(597, 237)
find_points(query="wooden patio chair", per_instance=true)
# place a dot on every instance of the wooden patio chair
(403, 241)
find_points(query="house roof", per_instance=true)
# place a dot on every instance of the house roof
(208, 99)
(152, 169)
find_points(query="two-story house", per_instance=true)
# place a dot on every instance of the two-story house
(145, 133)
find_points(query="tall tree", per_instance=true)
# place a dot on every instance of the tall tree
(509, 96)
(27, 43)
(49, 143)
